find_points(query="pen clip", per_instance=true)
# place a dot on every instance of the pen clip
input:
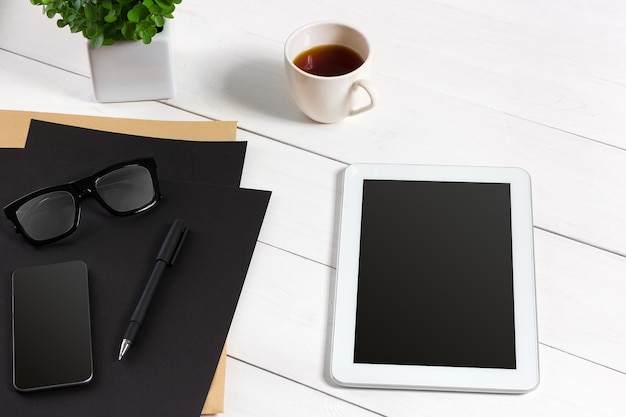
(173, 242)
(183, 235)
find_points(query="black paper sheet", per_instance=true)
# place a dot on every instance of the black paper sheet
(168, 369)
(208, 162)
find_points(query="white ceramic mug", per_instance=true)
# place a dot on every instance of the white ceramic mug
(329, 99)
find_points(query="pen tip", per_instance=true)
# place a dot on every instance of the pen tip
(123, 349)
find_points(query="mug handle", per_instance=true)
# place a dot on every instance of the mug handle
(369, 88)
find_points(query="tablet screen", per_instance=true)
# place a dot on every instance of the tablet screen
(435, 275)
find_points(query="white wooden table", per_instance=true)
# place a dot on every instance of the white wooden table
(535, 84)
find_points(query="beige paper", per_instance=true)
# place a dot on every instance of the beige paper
(214, 402)
(14, 127)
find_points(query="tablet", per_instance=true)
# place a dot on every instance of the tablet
(435, 284)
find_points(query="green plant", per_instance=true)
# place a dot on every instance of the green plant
(104, 22)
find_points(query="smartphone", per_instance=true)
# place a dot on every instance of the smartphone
(51, 326)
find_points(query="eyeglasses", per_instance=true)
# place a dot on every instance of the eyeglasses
(53, 213)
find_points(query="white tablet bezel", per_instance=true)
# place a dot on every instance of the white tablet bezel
(344, 371)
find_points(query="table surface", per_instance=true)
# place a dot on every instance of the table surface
(538, 85)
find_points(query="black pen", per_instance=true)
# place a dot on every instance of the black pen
(166, 257)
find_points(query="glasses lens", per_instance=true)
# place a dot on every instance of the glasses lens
(48, 215)
(128, 189)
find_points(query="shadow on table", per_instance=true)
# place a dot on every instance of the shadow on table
(333, 283)
(261, 86)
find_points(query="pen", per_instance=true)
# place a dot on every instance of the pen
(166, 257)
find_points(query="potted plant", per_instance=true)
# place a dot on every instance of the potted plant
(128, 44)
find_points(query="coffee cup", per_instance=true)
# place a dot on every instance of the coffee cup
(328, 66)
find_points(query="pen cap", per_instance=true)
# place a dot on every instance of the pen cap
(173, 242)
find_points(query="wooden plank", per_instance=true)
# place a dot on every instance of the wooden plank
(25, 30)
(581, 292)
(256, 392)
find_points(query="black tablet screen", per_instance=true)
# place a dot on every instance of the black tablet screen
(435, 275)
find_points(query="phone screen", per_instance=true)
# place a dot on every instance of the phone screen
(51, 326)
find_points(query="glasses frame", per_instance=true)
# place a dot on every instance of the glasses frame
(83, 188)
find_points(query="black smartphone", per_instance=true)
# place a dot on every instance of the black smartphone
(51, 326)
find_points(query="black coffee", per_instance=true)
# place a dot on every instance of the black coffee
(329, 60)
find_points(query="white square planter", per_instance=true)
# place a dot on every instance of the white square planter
(132, 70)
